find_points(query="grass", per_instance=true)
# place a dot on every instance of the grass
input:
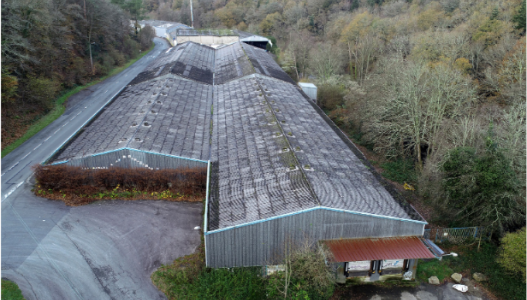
(501, 283)
(59, 107)
(434, 267)
(188, 278)
(10, 291)
(470, 260)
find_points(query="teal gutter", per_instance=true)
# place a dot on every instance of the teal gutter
(205, 220)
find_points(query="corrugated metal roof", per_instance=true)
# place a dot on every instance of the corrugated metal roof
(406, 247)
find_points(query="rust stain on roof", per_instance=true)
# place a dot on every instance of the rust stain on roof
(378, 248)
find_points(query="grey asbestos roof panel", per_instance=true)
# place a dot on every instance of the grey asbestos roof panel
(231, 63)
(338, 177)
(168, 116)
(264, 64)
(195, 62)
(251, 177)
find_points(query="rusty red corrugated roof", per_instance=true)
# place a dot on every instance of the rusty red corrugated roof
(404, 247)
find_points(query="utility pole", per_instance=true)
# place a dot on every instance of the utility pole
(191, 15)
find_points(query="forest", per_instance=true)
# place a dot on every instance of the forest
(436, 89)
(52, 46)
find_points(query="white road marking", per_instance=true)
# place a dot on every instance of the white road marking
(48, 138)
(37, 147)
(12, 190)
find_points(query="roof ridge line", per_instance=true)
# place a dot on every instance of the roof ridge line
(311, 191)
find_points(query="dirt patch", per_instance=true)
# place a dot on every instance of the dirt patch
(79, 200)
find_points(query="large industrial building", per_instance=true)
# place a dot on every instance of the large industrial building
(279, 169)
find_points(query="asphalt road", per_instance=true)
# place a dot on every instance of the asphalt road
(105, 250)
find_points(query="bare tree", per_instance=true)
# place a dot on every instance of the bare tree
(297, 53)
(327, 60)
(419, 99)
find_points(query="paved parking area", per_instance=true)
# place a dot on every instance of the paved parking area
(105, 250)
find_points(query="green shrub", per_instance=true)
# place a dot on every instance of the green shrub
(512, 254)
(306, 275)
(41, 91)
(330, 96)
(482, 188)
(400, 171)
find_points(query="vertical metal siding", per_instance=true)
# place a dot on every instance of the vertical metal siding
(130, 158)
(258, 244)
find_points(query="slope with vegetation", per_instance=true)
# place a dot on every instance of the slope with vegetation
(51, 47)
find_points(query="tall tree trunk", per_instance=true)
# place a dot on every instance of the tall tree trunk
(89, 45)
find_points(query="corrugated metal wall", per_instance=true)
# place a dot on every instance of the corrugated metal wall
(130, 158)
(261, 243)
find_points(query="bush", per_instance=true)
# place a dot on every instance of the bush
(330, 96)
(41, 91)
(306, 276)
(79, 186)
(512, 254)
(400, 171)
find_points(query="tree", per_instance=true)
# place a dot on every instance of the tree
(418, 100)
(519, 18)
(297, 53)
(270, 23)
(327, 60)
(146, 36)
(482, 188)
(362, 43)
(512, 254)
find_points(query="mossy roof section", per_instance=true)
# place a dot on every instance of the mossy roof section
(213, 66)
(264, 64)
(231, 63)
(256, 174)
(189, 60)
(338, 177)
(168, 116)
